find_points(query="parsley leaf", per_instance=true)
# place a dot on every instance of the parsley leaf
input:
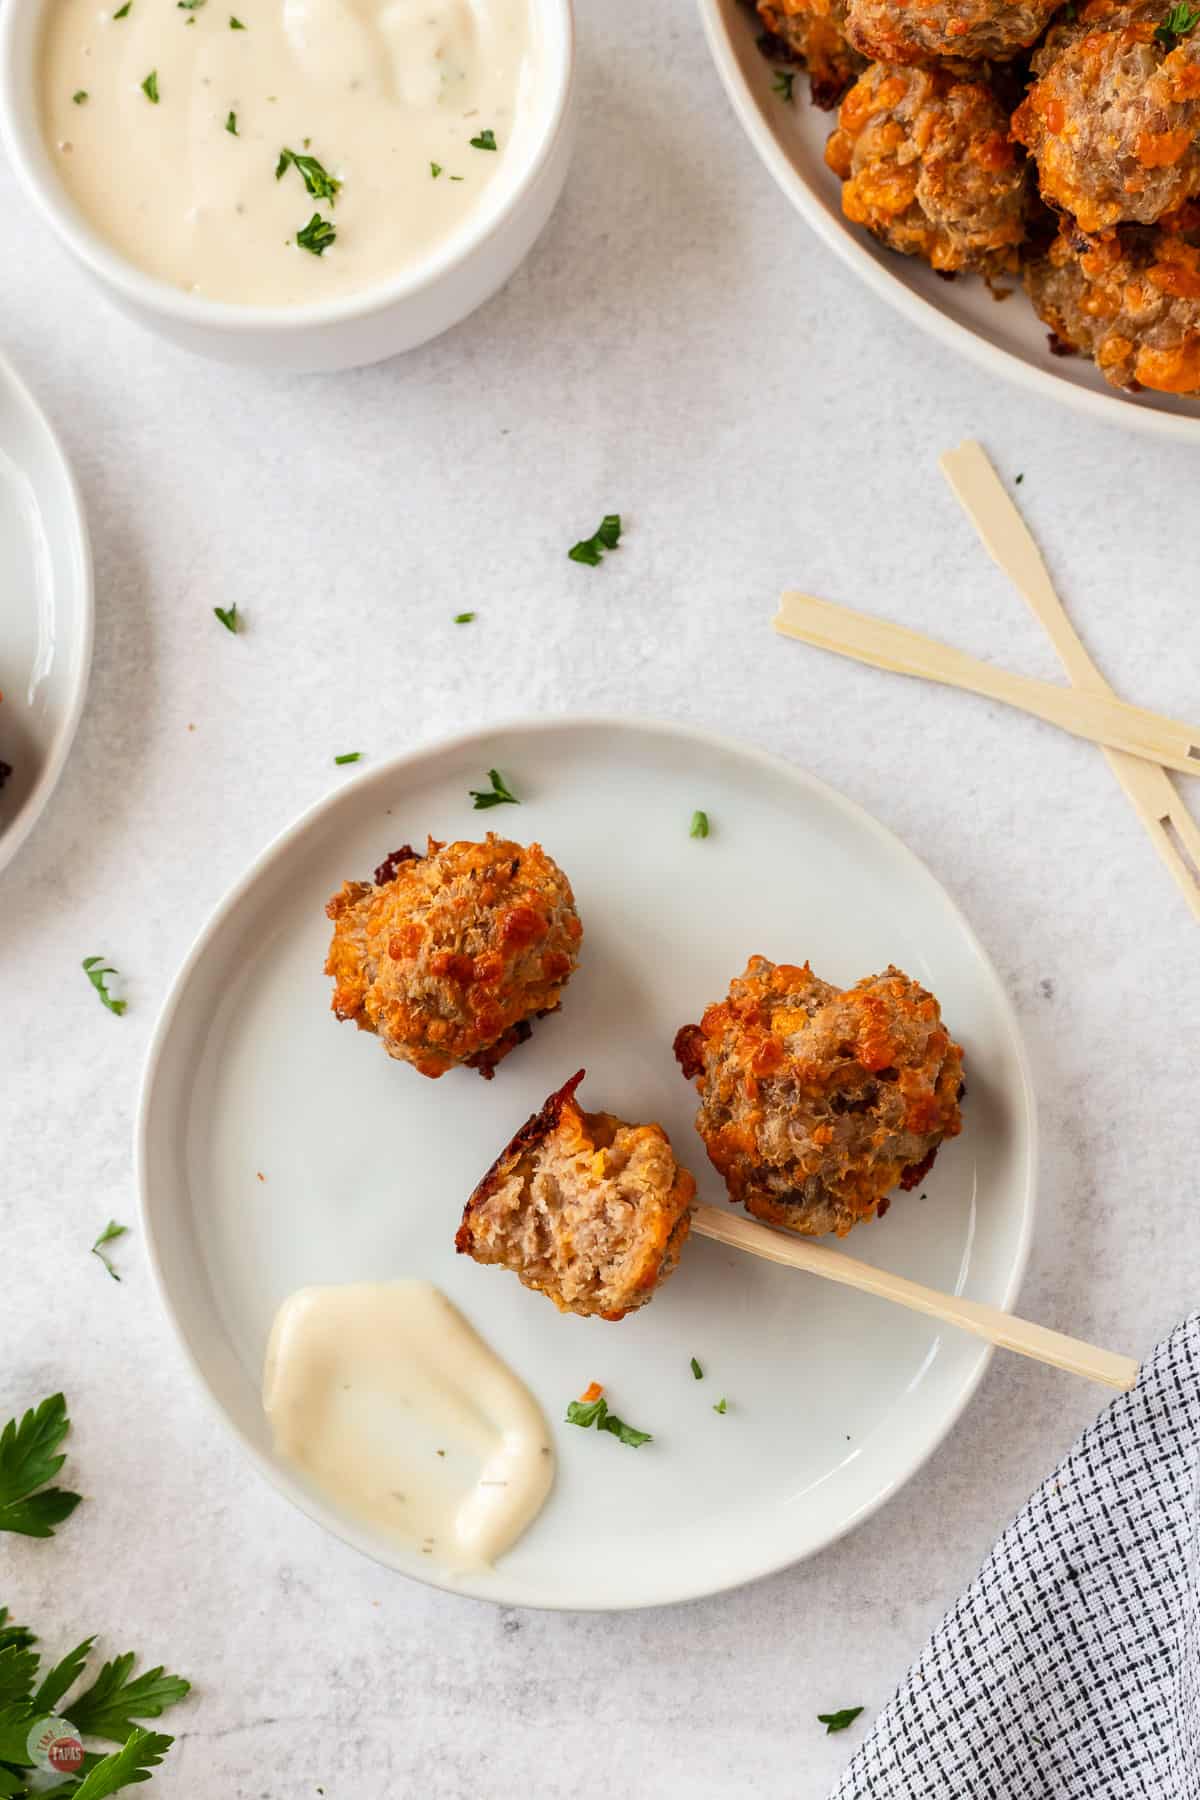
(111, 1231)
(143, 1751)
(122, 11)
(784, 82)
(697, 1371)
(501, 794)
(838, 1721)
(190, 5)
(348, 756)
(722, 1405)
(317, 235)
(595, 1412)
(96, 974)
(150, 87)
(18, 1671)
(231, 124)
(435, 169)
(1179, 22)
(79, 96)
(319, 182)
(20, 1635)
(485, 141)
(463, 618)
(110, 1706)
(27, 1461)
(699, 826)
(235, 24)
(591, 550)
(63, 1675)
(228, 616)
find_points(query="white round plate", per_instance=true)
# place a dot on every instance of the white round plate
(45, 610)
(1007, 339)
(834, 1399)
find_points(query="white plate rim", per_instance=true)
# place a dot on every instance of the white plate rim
(1110, 408)
(20, 826)
(395, 768)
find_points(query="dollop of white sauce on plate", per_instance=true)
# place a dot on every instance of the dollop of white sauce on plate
(385, 94)
(391, 1404)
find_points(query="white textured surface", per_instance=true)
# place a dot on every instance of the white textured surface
(681, 350)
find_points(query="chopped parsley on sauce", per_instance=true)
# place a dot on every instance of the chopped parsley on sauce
(150, 87)
(317, 235)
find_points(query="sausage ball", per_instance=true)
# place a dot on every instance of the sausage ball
(907, 31)
(447, 957)
(929, 168)
(1130, 299)
(812, 32)
(583, 1207)
(816, 1102)
(1113, 120)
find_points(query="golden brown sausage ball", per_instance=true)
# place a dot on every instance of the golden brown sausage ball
(816, 1102)
(1130, 299)
(448, 957)
(929, 168)
(905, 31)
(583, 1207)
(1113, 120)
(812, 32)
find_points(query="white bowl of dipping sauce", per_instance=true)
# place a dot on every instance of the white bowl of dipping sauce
(296, 184)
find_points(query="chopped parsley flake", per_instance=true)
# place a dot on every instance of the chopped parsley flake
(697, 1371)
(485, 141)
(150, 87)
(190, 5)
(1179, 22)
(722, 1405)
(838, 1721)
(79, 96)
(235, 24)
(1020, 479)
(123, 10)
(605, 537)
(231, 124)
(435, 169)
(501, 794)
(699, 826)
(317, 235)
(595, 1412)
(111, 1230)
(348, 756)
(228, 616)
(96, 973)
(784, 82)
(320, 184)
(463, 618)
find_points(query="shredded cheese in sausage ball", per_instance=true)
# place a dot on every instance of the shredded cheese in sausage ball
(450, 956)
(815, 1102)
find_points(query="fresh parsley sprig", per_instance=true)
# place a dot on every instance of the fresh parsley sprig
(595, 1412)
(96, 970)
(605, 537)
(1179, 22)
(317, 179)
(838, 1721)
(111, 1232)
(501, 794)
(27, 1463)
(142, 1751)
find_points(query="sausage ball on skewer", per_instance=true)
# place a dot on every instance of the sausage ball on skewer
(583, 1207)
(450, 956)
(812, 32)
(1129, 298)
(901, 31)
(929, 168)
(1113, 120)
(815, 1102)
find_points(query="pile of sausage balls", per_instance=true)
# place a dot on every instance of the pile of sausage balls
(1005, 137)
(815, 1101)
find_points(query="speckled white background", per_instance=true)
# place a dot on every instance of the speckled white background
(680, 349)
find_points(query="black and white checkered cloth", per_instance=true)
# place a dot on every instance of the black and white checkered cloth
(1070, 1668)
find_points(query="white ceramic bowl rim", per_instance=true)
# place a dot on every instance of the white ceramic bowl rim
(26, 149)
(291, 1487)
(1111, 408)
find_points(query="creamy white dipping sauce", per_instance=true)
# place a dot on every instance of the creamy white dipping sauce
(382, 93)
(387, 1399)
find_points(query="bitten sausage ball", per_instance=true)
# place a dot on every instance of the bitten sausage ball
(1113, 119)
(815, 1102)
(449, 957)
(1130, 299)
(583, 1208)
(929, 168)
(901, 31)
(812, 32)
